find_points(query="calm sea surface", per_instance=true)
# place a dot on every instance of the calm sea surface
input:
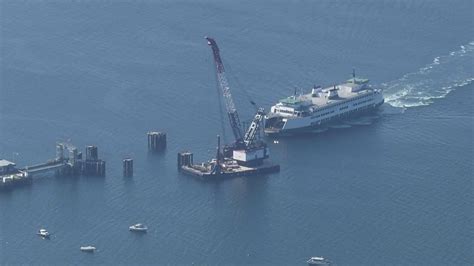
(395, 187)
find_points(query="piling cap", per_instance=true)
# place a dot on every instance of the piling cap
(155, 133)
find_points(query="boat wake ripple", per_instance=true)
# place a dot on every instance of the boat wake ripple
(433, 81)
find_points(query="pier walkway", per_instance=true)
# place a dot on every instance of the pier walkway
(46, 167)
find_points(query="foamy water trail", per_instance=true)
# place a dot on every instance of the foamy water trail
(433, 81)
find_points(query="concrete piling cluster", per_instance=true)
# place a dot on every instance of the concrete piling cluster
(185, 159)
(93, 166)
(156, 141)
(69, 161)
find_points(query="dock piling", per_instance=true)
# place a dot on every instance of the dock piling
(156, 141)
(185, 159)
(128, 167)
(93, 165)
(92, 153)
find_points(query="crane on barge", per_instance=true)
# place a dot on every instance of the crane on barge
(247, 149)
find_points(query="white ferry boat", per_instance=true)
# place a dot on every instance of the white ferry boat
(322, 105)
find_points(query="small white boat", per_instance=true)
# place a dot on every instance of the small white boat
(138, 228)
(88, 249)
(318, 261)
(43, 233)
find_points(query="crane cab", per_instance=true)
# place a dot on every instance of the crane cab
(253, 156)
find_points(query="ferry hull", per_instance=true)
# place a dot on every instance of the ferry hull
(305, 125)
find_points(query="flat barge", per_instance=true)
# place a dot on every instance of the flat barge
(228, 169)
(229, 166)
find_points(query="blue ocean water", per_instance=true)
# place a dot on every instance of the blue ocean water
(393, 188)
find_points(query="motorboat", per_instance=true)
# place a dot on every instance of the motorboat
(88, 249)
(318, 261)
(43, 233)
(138, 228)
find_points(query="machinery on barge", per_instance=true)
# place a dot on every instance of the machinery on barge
(247, 155)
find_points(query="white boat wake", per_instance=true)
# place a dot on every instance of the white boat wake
(433, 81)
